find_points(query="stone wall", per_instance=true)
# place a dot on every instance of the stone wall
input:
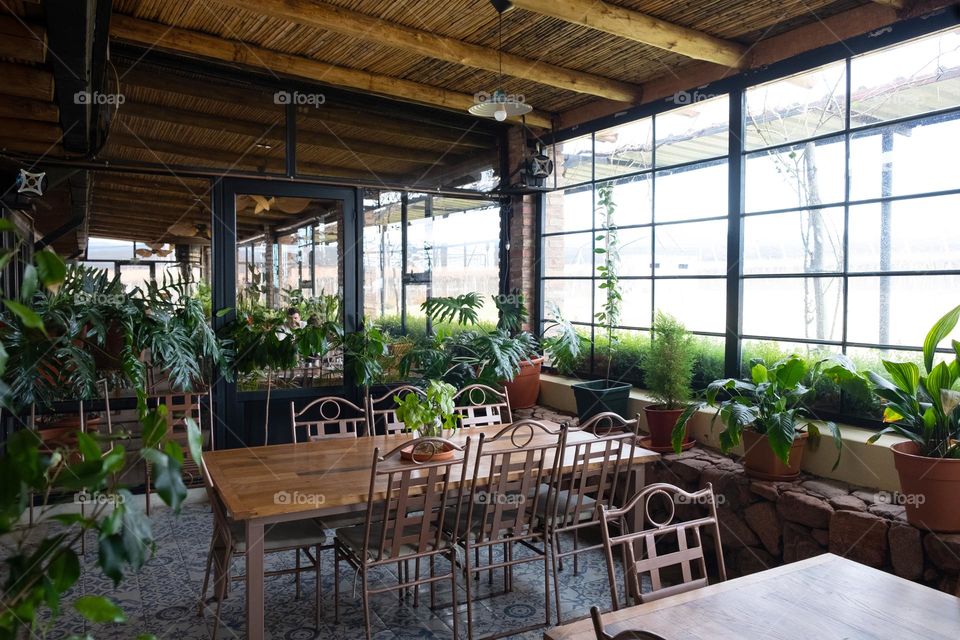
(765, 524)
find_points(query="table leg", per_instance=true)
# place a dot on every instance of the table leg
(254, 530)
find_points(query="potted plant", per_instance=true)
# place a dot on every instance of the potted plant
(431, 416)
(925, 409)
(770, 414)
(597, 396)
(668, 368)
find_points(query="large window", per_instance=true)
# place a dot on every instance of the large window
(850, 235)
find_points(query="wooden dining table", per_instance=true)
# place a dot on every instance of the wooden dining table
(825, 597)
(280, 483)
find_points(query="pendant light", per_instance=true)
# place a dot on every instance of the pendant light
(499, 105)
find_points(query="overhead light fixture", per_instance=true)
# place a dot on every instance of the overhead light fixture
(499, 105)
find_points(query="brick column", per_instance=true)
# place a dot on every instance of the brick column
(522, 228)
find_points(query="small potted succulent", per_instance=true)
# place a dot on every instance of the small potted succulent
(925, 409)
(770, 413)
(668, 368)
(430, 416)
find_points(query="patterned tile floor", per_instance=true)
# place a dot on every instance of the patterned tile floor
(162, 598)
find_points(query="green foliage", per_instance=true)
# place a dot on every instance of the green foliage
(562, 343)
(924, 408)
(669, 362)
(429, 415)
(462, 309)
(775, 402)
(512, 311)
(364, 352)
(609, 270)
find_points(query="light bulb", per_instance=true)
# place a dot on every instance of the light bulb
(500, 114)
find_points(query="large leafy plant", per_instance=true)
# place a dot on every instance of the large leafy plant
(669, 362)
(364, 353)
(775, 402)
(924, 408)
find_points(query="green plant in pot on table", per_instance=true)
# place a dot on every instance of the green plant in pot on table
(432, 415)
(669, 370)
(597, 396)
(770, 413)
(924, 408)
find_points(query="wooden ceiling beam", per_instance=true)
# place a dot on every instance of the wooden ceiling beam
(31, 130)
(261, 99)
(27, 109)
(164, 37)
(641, 27)
(361, 26)
(26, 82)
(185, 188)
(276, 133)
(9, 141)
(22, 41)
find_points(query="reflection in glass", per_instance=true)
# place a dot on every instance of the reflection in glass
(899, 310)
(809, 241)
(627, 148)
(568, 210)
(573, 161)
(568, 254)
(697, 131)
(801, 175)
(692, 248)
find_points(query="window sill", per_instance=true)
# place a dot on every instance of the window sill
(861, 464)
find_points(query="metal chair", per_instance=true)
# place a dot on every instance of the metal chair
(606, 423)
(181, 406)
(689, 557)
(407, 520)
(506, 495)
(382, 411)
(629, 634)
(603, 469)
(229, 540)
(482, 406)
(333, 418)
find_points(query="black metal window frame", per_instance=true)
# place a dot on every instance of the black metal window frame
(735, 88)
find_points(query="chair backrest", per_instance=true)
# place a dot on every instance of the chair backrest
(514, 473)
(382, 411)
(629, 634)
(482, 406)
(608, 422)
(602, 468)
(685, 536)
(183, 405)
(417, 491)
(327, 417)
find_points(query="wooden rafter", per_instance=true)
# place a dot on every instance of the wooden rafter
(154, 35)
(640, 27)
(14, 107)
(22, 41)
(371, 29)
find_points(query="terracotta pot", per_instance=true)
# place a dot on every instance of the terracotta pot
(428, 456)
(928, 488)
(760, 461)
(660, 423)
(524, 389)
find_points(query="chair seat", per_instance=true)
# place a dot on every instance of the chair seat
(545, 505)
(283, 535)
(352, 538)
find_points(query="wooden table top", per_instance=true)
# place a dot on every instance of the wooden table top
(826, 597)
(324, 477)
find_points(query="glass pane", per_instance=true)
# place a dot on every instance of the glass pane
(800, 175)
(793, 307)
(904, 159)
(691, 192)
(574, 161)
(569, 210)
(693, 248)
(899, 310)
(568, 255)
(635, 250)
(695, 132)
(627, 361)
(909, 79)
(795, 242)
(382, 257)
(108, 249)
(572, 297)
(698, 304)
(635, 308)
(802, 106)
(633, 198)
(903, 235)
(134, 275)
(624, 149)
(417, 294)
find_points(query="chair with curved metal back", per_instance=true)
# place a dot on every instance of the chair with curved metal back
(326, 417)
(603, 468)
(382, 411)
(685, 536)
(482, 406)
(606, 423)
(628, 634)
(406, 519)
(505, 498)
